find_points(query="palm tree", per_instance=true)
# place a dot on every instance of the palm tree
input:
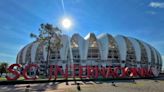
(51, 37)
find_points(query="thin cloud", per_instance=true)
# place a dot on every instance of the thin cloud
(151, 12)
(7, 55)
(63, 6)
(156, 4)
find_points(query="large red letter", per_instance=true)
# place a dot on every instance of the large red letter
(90, 72)
(111, 72)
(60, 70)
(25, 72)
(16, 73)
(81, 70)
(143, 72)
(133, 72)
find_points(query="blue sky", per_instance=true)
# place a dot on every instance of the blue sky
(142, 19)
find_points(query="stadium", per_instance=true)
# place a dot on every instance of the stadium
(102, 50)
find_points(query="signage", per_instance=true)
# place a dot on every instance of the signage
(75, 71)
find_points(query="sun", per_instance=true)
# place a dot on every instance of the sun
(66, 23)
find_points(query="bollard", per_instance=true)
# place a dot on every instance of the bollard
(27, 88)
(66, 82)
(134, 82)
(113, 84)
(78, 87)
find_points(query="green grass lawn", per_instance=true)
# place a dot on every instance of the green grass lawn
(3, 78)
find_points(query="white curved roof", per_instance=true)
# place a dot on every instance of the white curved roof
(102, 41)
(25, 52)
(33, 51)
(121, 46)
(136, 48)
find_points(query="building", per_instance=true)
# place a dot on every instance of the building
(103, 50)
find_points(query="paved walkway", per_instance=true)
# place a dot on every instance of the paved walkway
(120, 86)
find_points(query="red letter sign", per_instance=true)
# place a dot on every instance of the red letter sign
(25, 72)
(17, 74)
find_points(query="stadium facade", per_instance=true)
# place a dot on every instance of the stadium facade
(103, 50)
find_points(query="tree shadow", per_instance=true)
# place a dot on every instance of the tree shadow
(33, 87)
(87, 82)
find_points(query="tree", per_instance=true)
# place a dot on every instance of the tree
(3, 68)
(51, 37)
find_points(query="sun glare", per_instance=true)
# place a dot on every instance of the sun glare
(66, 23)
